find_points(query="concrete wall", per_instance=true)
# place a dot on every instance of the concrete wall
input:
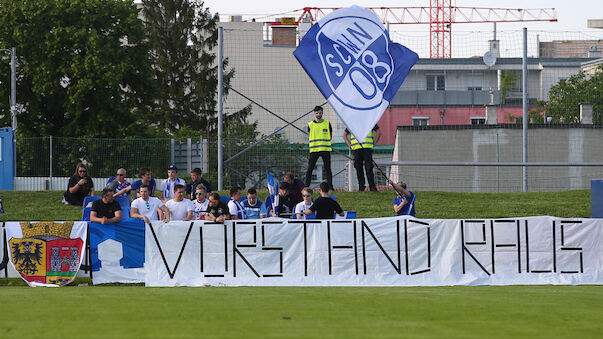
(498, 143)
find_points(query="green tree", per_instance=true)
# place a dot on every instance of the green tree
(183, 35)
(83, 67)
(508, 84)
(566, 96)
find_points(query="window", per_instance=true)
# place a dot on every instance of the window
(475, 81)
(420, 121)
(478, 121)
(435, 82)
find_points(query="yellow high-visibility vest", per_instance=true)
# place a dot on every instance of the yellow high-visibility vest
(320, 136)
(367, 143)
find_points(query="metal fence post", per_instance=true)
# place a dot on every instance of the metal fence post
(50, 159)
(525, 108)
(172, 151)
(220, 106)
(189, 154)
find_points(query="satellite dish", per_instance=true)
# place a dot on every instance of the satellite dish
(489, 59)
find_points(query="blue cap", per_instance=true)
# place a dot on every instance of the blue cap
(173, 167)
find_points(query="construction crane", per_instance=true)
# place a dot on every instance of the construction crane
(440, 15)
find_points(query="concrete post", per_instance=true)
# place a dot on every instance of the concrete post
(491, 115)
(586, 114)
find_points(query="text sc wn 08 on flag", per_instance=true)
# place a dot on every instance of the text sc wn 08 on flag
(354, 64)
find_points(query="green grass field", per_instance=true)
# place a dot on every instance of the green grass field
(119, 311)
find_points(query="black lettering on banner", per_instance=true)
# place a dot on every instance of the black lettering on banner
(406, 221)
(235, 247)
(305, 222)
(201, 249)
(365, 227)
(526, 226)
(167, 267)
(267, 248)
(505, 223)
(464, 247)
(341, 246)
(564, 248)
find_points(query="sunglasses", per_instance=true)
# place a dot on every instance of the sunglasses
(82, 171)
(200, 193)
(120, 175)
(148, 206)
(306, 195)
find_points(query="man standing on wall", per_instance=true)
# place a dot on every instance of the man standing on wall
(362, 153)
(320, 137)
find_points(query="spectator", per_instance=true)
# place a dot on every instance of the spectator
(168, 186)
(237, 212)
(285, 205)
(201, 204)
(363, 156)
(79, 186)
(254, 208)
(149, 208)
(218, 210)
(304, 205)
(180, 208)
(325, 207)
(145, 179)
(295, 187)
(105, 210)
(320, 136)
(196, 179)
(404, 203)
(118, 183)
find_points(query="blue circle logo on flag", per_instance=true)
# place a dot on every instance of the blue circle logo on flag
(356, 60)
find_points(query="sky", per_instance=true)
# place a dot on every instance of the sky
(571, 16)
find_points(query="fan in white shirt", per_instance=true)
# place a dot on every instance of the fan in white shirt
(180, 208)
(200, 203)
(149, 208)
(304, 205)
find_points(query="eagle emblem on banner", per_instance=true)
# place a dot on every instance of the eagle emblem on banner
(46, 253)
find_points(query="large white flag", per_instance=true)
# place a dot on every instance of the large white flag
(354, 64)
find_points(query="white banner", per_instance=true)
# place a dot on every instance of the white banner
(399, 251)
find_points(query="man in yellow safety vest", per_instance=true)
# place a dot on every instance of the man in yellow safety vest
(362, 153)
(320, 136)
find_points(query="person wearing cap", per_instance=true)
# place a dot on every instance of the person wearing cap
(218, 210)
(118, 183)
(319, 141)
(285, 205)
(167, 186)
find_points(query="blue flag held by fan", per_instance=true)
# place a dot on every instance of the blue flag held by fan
(272, 189)
(354, 64)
